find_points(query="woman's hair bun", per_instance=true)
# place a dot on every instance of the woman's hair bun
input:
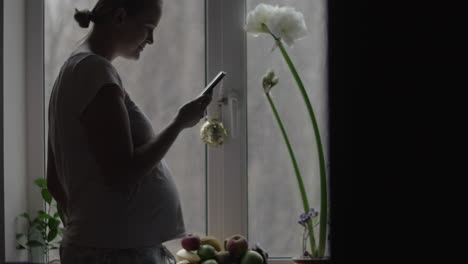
(83, 17)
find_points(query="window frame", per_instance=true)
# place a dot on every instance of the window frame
(2, 168)
(36, 133)
(226, 189)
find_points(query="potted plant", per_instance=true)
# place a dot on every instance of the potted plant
(44, 228)
(287, 25)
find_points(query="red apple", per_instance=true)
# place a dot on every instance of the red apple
(237, 245)
(191, 242)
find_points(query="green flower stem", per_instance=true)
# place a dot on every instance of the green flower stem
(323, 175)
(296, 169)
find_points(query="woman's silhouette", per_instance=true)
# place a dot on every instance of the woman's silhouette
(105, 163)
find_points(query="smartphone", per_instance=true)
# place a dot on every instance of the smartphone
(209, 88)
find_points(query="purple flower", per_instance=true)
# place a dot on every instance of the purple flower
(313, 212)
(304, 218)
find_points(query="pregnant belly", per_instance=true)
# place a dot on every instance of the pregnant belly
(155, 193)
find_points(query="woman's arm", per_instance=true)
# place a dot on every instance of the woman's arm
(53, 185)
(107, 126)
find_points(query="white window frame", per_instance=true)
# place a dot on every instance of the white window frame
(2, 168)
(226, 164)
(35, 111)
(36, 135)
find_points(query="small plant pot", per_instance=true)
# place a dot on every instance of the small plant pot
(308, 260)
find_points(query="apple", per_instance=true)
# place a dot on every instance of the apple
(191, 242)
(237, 245)
(262, 252)
(206, 252)
(252, 257)
(223, 257)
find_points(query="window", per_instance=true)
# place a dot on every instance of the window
(247, 185)
(274, 199)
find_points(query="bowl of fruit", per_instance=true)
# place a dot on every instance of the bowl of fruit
(209, 250)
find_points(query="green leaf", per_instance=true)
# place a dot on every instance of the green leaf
(40, 225)
(43, 215)
(53, 223)
(25, 215)
(34, 243)
(46, 196)
(41, 182)
(36, 221)
(54, 247)
(52, 235)
(56, 215)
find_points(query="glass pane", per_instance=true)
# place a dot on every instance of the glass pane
(274, 198)
(168, 74)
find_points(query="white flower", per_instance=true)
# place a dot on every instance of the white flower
(288, 24)
(283, 22)
(260, 15)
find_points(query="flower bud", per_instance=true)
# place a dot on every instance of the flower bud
(269, 80)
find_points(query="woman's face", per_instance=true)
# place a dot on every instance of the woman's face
(137, 31)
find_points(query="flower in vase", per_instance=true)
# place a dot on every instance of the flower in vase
(305, 220)
(287, 25)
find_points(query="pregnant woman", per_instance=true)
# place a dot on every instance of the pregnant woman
(106, 167)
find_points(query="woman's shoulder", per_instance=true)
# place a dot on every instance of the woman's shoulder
(88, 59)
(88, 63)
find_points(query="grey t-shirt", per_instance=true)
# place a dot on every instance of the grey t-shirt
(98, 216)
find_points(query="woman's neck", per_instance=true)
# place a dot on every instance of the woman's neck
(100, 44)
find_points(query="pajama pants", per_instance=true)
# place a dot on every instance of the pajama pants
(72, 254)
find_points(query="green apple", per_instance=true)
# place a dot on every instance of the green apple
(251, 257)
(206, 252)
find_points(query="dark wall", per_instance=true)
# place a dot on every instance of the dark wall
(398, 93)
(340, 80)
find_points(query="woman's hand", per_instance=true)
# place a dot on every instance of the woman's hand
(190, 114)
